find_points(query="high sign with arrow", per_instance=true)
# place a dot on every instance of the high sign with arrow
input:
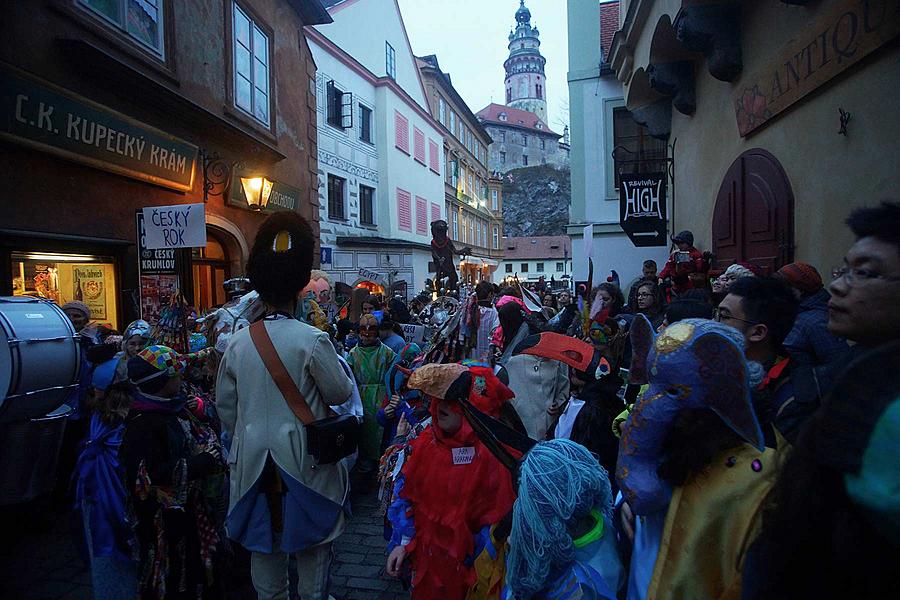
(642, 208)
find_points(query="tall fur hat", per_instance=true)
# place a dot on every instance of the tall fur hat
(281, 258)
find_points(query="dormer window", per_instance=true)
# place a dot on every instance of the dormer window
(539, 125)
(502, 116)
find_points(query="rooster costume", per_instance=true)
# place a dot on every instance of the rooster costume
(451, 489)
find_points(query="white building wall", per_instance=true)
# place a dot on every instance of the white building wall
(380, 165)
(534, 273)
(595, 200)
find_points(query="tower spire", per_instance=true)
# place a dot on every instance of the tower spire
(526, 82)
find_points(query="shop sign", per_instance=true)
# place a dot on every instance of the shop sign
(848, 32)
(371, 276)
(413, 334)
(157, 273)
(642, 208)
(152, 262)
(282, 196)
(44, 116)
(178, 226)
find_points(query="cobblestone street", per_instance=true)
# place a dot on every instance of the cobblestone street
(40, 561)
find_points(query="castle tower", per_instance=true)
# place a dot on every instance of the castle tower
(526, 84)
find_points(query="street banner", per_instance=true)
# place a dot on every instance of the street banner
(178, 226)
(642, 208)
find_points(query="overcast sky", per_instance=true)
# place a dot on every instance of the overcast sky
(469, 38)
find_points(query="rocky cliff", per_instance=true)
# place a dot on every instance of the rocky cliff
(536, 201)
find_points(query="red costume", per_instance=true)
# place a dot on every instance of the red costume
(452, 499)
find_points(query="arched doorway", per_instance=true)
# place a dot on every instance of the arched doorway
(753, 220)
(211, 267)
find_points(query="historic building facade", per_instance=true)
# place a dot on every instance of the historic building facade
(536, 259)
(781, 113)
(380, 151)
(113, 107)
(473, 199)
(521, 139)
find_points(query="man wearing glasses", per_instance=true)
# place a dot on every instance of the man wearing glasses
(865, 292)
(764, 309)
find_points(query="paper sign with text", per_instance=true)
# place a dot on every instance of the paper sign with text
(178, 226)
(413, 334)
(464, 455)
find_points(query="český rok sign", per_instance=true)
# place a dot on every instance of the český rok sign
(49, 118)
(846, 33)
(178, 226)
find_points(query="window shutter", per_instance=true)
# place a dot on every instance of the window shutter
(404, 210)
(421, 216)
(401, 127)
(433, 159)
(419, 145)
(435, 212)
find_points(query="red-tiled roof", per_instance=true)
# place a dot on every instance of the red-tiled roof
(514, 116)
(551, 246)
(609, 24)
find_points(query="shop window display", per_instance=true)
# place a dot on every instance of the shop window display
(66, 277)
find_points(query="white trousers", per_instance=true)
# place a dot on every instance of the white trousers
(270, 573)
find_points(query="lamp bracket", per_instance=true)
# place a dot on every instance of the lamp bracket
(216, 174)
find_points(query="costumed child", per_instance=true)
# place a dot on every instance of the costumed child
(693, 464)
(100, 495)
(451, 489)
(135, 339)
(682, 262)
(370, 361)
(562, 542)
(175, 478)
(399, 401)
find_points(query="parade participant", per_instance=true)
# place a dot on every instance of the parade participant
(648, 273)
(370, 361)
(175, 477)
(588, 415)
(282, 501)
(79, 313)
(692, 464)
(763, 309)
(810, 342)
(831, 526)
(611, 296)
(451, 488)
(722, 283)
(388, 333)
(99, 487)
(320, 285)
(683, 261)
(484, 320)
(549, 302)
(563, 541)
(540, 385)
(400, 401)
(650, 303)
(135, 339)
(565, 299)
(863, 305)
(371, 305)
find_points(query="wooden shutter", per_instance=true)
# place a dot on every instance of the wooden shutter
(421, 215)
(404, 210)
(419, 145)
(433, 157)
(401, 130)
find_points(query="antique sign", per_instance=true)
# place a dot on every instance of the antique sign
(846, 33)
(89, 283)
(178, 226)
(371, 276)
(46, 117)
(642, 208)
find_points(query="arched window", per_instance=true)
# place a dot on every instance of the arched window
(539, 91)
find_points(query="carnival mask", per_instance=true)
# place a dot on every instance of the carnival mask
(695, 363)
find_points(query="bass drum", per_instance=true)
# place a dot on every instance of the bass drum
(40, 358)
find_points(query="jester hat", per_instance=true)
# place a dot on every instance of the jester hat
(695, 363)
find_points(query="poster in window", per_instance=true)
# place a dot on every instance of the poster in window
(89, 286)
(156, 292)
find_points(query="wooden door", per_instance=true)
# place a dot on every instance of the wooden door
(753, 220)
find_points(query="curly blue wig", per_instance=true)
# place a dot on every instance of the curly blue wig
(559, 482)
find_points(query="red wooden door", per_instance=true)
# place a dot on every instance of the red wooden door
(753, 220)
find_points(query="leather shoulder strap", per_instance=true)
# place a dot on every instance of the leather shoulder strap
(292, 395)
